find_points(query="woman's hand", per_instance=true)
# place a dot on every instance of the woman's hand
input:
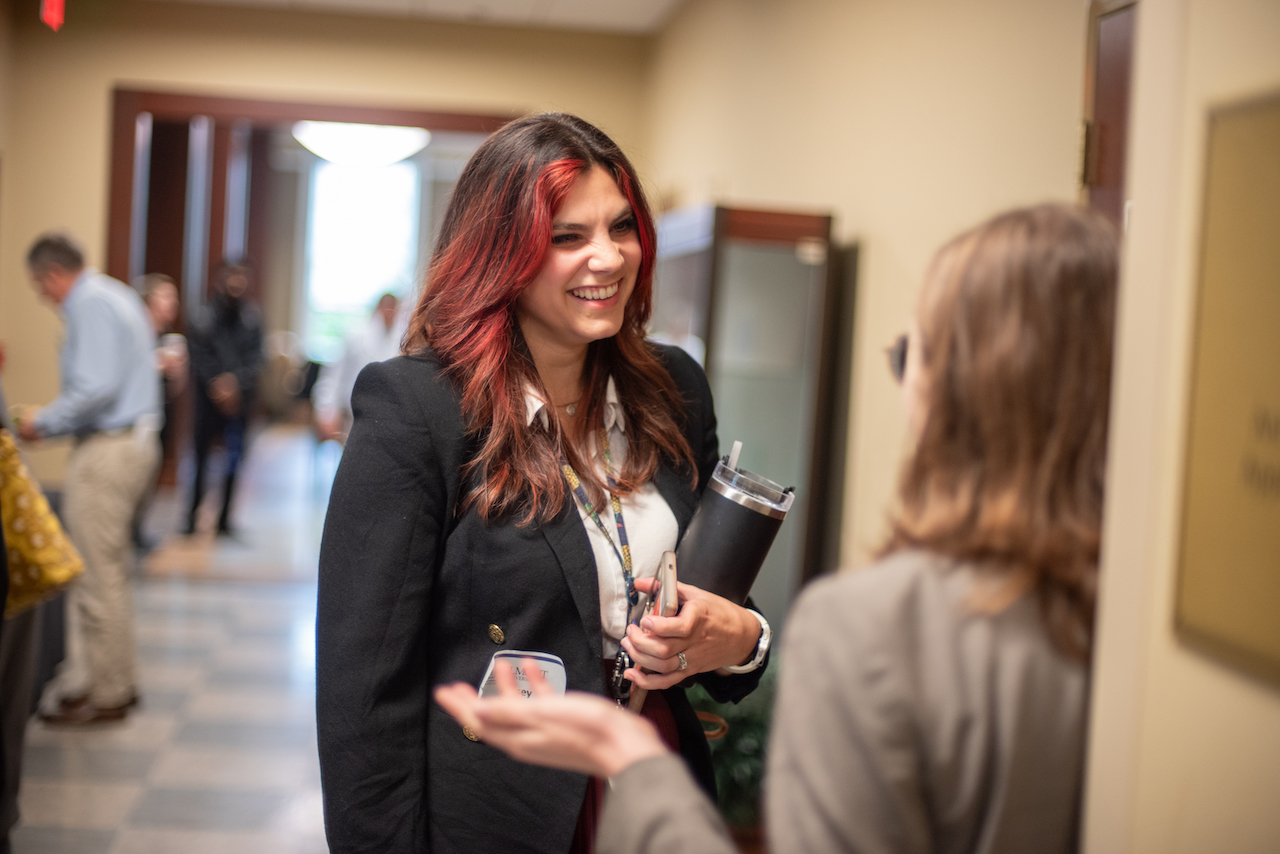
(711, 631)
(577, 732)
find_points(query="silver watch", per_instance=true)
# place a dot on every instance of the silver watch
(762, 647)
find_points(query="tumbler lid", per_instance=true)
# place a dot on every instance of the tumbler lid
(752, 491)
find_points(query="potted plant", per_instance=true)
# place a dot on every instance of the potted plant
(739, 756)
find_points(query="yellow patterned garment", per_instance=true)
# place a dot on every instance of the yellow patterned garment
(41, 559)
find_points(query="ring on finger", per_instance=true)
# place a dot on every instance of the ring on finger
(684, 662)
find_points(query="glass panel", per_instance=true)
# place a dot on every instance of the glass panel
(763, 372)
(680, 287)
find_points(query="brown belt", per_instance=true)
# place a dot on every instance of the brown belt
(114, 431)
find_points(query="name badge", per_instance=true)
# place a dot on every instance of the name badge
(552, 667)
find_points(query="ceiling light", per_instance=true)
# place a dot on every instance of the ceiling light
(360, 145)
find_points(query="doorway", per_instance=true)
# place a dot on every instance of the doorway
(196, 180)
(1108, 79)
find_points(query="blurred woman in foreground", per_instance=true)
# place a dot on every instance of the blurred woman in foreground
(935, 701)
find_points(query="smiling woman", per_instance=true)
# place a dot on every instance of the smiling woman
(507, 232)
(581, 292)
(508, 488)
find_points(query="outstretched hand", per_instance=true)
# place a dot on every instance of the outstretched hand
(576, 732)
(711, 631)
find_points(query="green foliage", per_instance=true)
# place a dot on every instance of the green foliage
(739, 757)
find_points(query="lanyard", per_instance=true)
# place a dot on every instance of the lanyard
(619, 686)
(621, 548)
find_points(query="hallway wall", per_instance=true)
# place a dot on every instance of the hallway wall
(1185, 751)
(909, 121)
(61, 84)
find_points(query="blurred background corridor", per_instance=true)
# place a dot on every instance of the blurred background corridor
(221, 754)
(804, 159)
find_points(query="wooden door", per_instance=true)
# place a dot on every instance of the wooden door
(1112, 31)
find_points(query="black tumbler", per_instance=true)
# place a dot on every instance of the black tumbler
(731, 532)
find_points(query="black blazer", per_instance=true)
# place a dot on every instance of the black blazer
(225, 338)
(409, 589)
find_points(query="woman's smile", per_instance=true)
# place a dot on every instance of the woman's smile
(580, 294)
(603, 293)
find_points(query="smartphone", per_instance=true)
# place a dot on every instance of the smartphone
(664, 601)
(668, 601)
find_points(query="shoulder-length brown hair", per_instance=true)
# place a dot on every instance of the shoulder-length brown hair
(1016, 320)
(493, 241)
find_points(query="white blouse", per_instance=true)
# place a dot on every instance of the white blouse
(651, 526)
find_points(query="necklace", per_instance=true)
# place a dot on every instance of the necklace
(570, 409)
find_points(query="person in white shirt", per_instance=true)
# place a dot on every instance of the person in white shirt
(374, 341)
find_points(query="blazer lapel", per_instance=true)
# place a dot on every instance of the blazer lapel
(682, 500)
(568, 540)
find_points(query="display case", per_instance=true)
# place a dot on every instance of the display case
(762, 302)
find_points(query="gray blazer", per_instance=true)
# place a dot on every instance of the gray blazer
(906, 722)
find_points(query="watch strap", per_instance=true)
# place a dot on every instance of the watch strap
(762, 647)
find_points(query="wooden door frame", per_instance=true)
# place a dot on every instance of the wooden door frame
(128, 104)
(1098, 9)
(745, 224)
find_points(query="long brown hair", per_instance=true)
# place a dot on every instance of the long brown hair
(1016, 321)
(493, 241)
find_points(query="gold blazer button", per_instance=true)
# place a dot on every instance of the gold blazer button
(495, 633)
(466, 730)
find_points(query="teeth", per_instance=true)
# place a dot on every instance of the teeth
(596, 293)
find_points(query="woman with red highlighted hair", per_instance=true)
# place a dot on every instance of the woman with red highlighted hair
(509, 486)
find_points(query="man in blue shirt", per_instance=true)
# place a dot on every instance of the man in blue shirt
(110, 401)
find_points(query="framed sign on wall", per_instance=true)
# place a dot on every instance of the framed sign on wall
(1228, 596)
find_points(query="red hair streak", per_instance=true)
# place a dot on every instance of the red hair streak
(493, 241)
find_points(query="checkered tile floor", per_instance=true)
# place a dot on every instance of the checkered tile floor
(221, 755)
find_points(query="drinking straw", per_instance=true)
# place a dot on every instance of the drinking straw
(733, 455)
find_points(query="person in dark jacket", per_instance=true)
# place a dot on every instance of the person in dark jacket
(463, 521)
(225, 345)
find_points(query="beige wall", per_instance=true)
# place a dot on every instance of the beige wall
(1185, 753)
(908, 121)
(56, 166)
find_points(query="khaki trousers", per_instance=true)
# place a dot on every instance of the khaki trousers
(108, 474)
